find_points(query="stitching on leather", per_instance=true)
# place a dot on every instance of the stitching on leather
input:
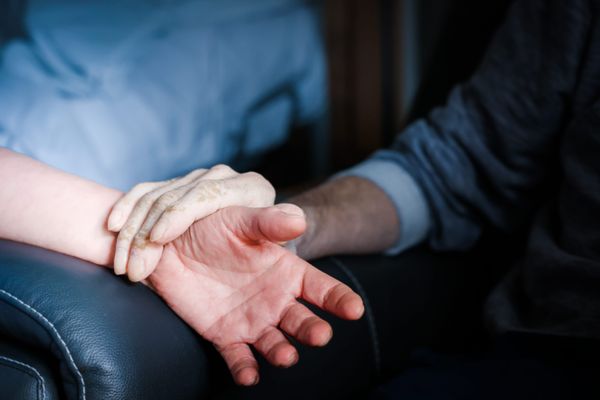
(28, 370)
(57, 336)
(369, 312)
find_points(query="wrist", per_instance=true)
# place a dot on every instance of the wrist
(304, 244)
(347, 215)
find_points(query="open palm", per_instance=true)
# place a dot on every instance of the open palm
(229, 280)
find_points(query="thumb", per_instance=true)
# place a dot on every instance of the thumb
(278, 223)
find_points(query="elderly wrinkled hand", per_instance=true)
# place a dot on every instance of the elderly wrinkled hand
(230, 281)
(155, 213)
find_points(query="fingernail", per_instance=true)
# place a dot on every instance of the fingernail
(360, 310)
(119, 264)
(255, 381)
(329, 337)
(322, 339)
(114, 220)
(293, 359)
(157, 233)
(356, 310)
(290, 209)
(137, 268)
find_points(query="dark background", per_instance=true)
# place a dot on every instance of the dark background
(379, 51)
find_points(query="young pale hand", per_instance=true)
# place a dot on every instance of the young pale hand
(154, 213)
(230, 281)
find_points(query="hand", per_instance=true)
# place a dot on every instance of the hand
(154, 213)
(230, 281)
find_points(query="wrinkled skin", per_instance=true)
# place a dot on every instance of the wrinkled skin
(230, 281)
(152, 214)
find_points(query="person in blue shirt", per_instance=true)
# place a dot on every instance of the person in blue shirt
(175, 85)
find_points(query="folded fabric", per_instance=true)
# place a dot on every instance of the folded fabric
(128, 91)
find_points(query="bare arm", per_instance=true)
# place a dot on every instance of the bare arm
(43, 206)
(349, 215)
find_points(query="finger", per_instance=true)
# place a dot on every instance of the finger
(170, 195)
(331, 295)
(163, 203)
(276, 349)
(168, 199)
(198, 203)
(143, 259)
(132, 228)
(122, 208)
(131, 232)
(276, 224)
(220, 171)
(208, 197)
(249, 189)
(241, 363)
(304, 326)
(122, 249)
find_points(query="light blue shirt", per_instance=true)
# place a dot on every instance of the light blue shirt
(127, 91)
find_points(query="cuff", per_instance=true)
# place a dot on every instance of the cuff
(411, 207)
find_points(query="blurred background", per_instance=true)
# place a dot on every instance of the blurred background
(137, 90)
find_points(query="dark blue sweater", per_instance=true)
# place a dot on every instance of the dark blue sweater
(529, 118)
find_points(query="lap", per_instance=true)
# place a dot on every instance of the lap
(514, 367)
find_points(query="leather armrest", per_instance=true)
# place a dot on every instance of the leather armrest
(107, 338)
(91, 335)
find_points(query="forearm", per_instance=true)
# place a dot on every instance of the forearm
(45, 207)
(349, 215)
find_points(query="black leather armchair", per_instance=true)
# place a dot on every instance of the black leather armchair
(70, 329)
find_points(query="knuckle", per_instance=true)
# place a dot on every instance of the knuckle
(193, 174)
(126, 234)
(221, 168)
(147, 200)
(143, 187)
(263, 187)
(141, 235)
(166, 199)
(172, 209)
(208, 190)
(129, 231)
(140, 240)
(253, 175)
(258, 179)
(119, 205)
(270, 194)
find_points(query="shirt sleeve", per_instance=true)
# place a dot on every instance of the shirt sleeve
(411, 206)
(480, 161)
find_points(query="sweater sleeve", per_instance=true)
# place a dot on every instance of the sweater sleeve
(480, 160)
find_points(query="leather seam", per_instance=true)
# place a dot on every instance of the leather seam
(31, 371)
(368, 311)
(35, 314)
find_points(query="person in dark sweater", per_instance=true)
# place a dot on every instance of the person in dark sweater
(517, 145)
